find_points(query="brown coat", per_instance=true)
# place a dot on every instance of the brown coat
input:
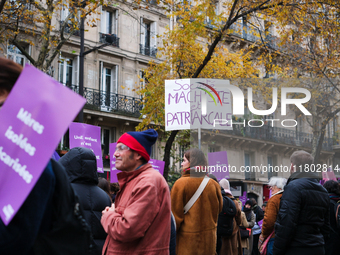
(270, 215)
(196, 230)
(230, 244)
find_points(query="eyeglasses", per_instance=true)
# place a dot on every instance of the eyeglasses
(122, 147)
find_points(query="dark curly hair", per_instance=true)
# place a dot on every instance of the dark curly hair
(332, 187)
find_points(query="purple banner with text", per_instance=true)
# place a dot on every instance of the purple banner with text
(87, 136)
(218, 164)
(33, 119)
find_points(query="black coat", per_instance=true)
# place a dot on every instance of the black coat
(81, 167)
(332, 244)
(303, 218)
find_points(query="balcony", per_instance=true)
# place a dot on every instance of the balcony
(110, 102)
(68, 27)
(146, 50)
(278, 135)
(107, 38)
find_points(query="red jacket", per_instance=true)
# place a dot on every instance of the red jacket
(141, 221)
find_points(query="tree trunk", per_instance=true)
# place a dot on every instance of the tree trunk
(167, 150)
(2, 4)
(319, 146)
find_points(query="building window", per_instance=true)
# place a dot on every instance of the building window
(142, 82)
(14, 54)
(148, 38)
(108, 86)
(107, 136)
(68, 71)
(249, 174)
(109, 27)
(271, 163)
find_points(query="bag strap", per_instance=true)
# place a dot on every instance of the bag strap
(197, 194)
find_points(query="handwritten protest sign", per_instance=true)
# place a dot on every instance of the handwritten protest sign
(156, 164)
(34, 117)
(87, 136)
(197, 103)
(218, 164)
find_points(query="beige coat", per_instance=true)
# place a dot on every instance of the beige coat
(244, 223)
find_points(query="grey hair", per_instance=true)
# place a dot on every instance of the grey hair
(301, 158)
(279, 182)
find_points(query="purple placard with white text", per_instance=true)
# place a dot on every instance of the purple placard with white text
(243, 198)
(219, 160)
(157, 165)
(34, 117)
(113, 169)
(87, 136)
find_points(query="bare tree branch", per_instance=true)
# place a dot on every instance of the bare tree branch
(23, 51)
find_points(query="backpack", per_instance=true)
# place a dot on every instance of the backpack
(225, 225)
(69, 233)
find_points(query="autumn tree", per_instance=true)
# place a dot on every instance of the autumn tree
(196, 46)
(47, 24)
(309, 50)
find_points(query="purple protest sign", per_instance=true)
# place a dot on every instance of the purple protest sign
(260, 223)
(243, 198)
(33, 119)
(113, 169)
(87, 136)
(218, 163)
(326, 176)
(157, 165)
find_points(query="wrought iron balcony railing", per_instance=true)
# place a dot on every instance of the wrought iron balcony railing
(107, 38)
(278, 135)
(146, 50)
(110, 102)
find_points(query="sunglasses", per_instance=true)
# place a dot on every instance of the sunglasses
(122, 147)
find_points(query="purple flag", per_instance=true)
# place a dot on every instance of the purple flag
(34, 117)
(87, 136)
(113, 170)
(157, 165)
(218, 163)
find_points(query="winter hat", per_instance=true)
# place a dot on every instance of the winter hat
(249, 202)
(225, 185)
(140, 142)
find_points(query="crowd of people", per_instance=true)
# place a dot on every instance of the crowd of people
(139, 214)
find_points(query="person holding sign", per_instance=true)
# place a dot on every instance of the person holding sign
(139, 220)
(19, 236)
(48, 219)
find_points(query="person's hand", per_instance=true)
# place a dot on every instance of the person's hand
(112, 208)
